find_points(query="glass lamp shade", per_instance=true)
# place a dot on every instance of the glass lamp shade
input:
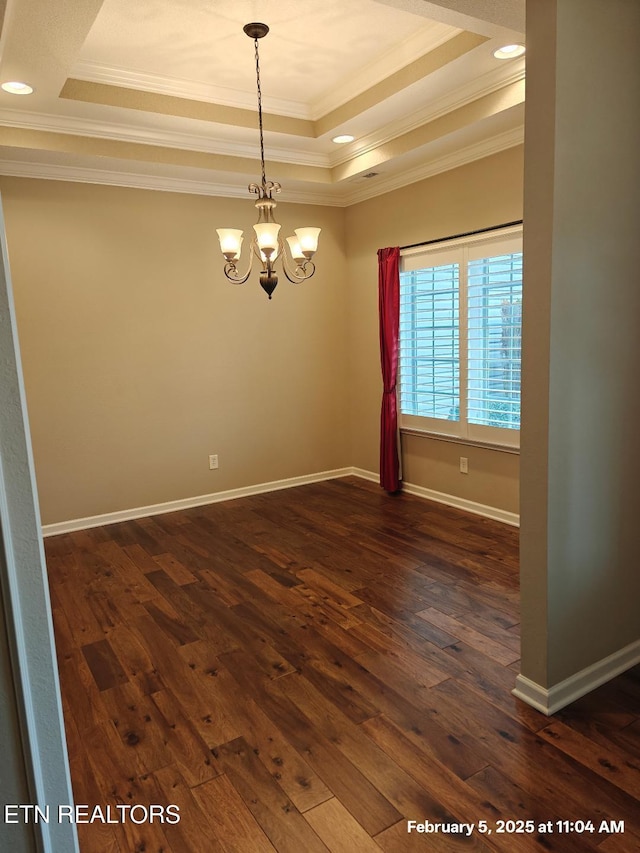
(230, 242)
(308, 240)
(267, 235)
(294, 247)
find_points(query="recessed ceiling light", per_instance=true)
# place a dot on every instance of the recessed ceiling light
(341, 140)
(509, 51)
(16, 87)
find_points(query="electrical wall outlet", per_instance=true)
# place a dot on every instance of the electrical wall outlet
(464, 465)
(213, 461)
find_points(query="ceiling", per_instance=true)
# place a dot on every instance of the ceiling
(162, 93)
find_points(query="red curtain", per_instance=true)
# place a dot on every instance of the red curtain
(389, 311)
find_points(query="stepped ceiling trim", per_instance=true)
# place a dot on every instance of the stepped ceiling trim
(117, 90)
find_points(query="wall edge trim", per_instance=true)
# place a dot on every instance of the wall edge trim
(188, 503)
(372, 476)
(553, 699)
(493, 512)
(87, 522)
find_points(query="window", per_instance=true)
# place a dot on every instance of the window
(460, 337)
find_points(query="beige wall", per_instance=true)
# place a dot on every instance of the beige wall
(140, 359)
(479, 195)
(580, 454)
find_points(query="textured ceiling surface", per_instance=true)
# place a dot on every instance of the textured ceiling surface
(161, 93)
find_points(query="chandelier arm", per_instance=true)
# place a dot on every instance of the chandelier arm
(231, 271)
(302, 271)
(233, 275)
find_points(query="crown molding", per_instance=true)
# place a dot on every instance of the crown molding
(177, 87)
(330, 198)
(418, 44)
(485, 84)
(137, 180)
(73, 126)
(371, 188)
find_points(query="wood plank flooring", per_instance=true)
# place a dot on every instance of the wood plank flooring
(310, 669)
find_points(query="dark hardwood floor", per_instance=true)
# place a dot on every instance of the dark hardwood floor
(308, 670)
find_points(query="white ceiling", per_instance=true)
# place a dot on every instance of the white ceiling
(201, 44)
(161, 93)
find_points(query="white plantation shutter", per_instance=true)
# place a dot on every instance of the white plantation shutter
(429, 352)
(460, 338)
(494, 306)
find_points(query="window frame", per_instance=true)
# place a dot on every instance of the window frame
(460, 431)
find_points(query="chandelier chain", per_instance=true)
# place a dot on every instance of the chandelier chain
(264, 177)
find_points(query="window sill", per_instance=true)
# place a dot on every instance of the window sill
(454, 439)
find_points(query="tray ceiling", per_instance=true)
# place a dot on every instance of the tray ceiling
(161, 93)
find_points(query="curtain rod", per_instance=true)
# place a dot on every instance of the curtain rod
(459, 236)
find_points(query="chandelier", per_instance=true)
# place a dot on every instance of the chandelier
(266, 245)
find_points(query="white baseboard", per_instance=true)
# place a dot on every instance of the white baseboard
(552, 699)
(188, 503)
(493, 512)
(450, 500)
(366, 475)
(275, 485)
